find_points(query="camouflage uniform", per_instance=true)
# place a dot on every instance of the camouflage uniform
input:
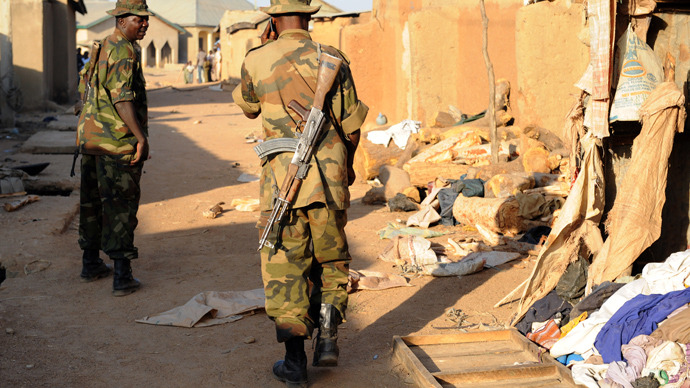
(109, 185)
(272, 76)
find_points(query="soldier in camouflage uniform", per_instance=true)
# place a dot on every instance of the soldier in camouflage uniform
(306, 274)
(112, 138)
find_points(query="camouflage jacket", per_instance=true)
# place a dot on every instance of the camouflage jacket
(285, 70)
(117, 78)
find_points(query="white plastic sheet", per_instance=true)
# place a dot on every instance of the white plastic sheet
(400, 133)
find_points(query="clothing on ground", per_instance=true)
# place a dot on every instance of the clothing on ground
(640, 315)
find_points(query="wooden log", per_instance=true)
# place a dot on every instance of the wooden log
(453, 145)
(505, 185)
(500, 215)
(370, 157)
(536, 160)
(422, 174)
(560, 189)
(482, 131)
(487, 172)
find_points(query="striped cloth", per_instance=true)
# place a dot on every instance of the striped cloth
(601, 15)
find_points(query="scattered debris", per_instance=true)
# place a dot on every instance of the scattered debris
(32, 169)
(400, 203)
(463, 267)
(214, 211)
(14, 205)
(36, 266)
(246, 204)
(370, 280)
(210, 308)
(246, 178)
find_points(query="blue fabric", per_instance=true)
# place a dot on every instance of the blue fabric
(446, 199)
(468, 187)
(640, 315)
(568, 358)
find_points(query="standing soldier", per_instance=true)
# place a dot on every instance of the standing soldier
(305, 274)
(112, 138)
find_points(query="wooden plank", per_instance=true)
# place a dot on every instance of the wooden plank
(422, 174)
(540, 382)
(543, 355)
(496, 359)
(10, 195)
(481, 336)
(472, 362)
(517, 375)
(419, 373)
(469, 348)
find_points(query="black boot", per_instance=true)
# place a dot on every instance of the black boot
(326, 352)
(292, 370)
(123, 282)
(92, 267)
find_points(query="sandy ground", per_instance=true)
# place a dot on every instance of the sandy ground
(57, 331)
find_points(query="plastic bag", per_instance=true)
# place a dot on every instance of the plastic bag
(639, 71)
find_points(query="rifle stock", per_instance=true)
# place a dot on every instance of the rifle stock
(315, 122)
(328, 71)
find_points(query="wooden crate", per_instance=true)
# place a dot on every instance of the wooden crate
(496, 359)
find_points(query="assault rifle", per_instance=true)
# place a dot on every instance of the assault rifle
(315, 122)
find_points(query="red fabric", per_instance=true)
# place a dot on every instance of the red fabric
(546, 335)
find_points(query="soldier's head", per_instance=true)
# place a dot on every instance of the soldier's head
(132, 18)
(291, 13)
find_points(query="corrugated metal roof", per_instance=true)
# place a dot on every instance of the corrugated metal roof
(255, 17)
(240, 20)
(326, 9)
(197, 13)
(97, 14)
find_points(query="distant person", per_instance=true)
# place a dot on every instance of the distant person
(85, 58)
(208, 64)
(112, 137)
(217, 63)
(200, 59)
(80, 60)
(188, 71)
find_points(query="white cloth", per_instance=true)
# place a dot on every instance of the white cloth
(400, 133)
(589, 374)
(657, 278)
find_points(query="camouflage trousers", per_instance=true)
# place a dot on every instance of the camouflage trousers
(109, 201)
(308, 266)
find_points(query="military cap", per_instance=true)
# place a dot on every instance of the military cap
(130, 7)
(291, 6)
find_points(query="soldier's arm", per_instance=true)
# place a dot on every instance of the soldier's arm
(351, 148)
(119, 84)
(245, 96)
(128, 114)
(252, 115)
(353, 115)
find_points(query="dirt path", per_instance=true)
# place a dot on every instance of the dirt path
(57, 331)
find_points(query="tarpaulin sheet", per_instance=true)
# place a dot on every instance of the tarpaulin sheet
(576, 225)
(210, 308)
(634, 222)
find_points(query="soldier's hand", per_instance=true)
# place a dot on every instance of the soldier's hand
(142, 153)
(78, 107)
(351, 176)
(268, 34)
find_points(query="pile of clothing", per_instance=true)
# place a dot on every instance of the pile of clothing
(633, 333)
